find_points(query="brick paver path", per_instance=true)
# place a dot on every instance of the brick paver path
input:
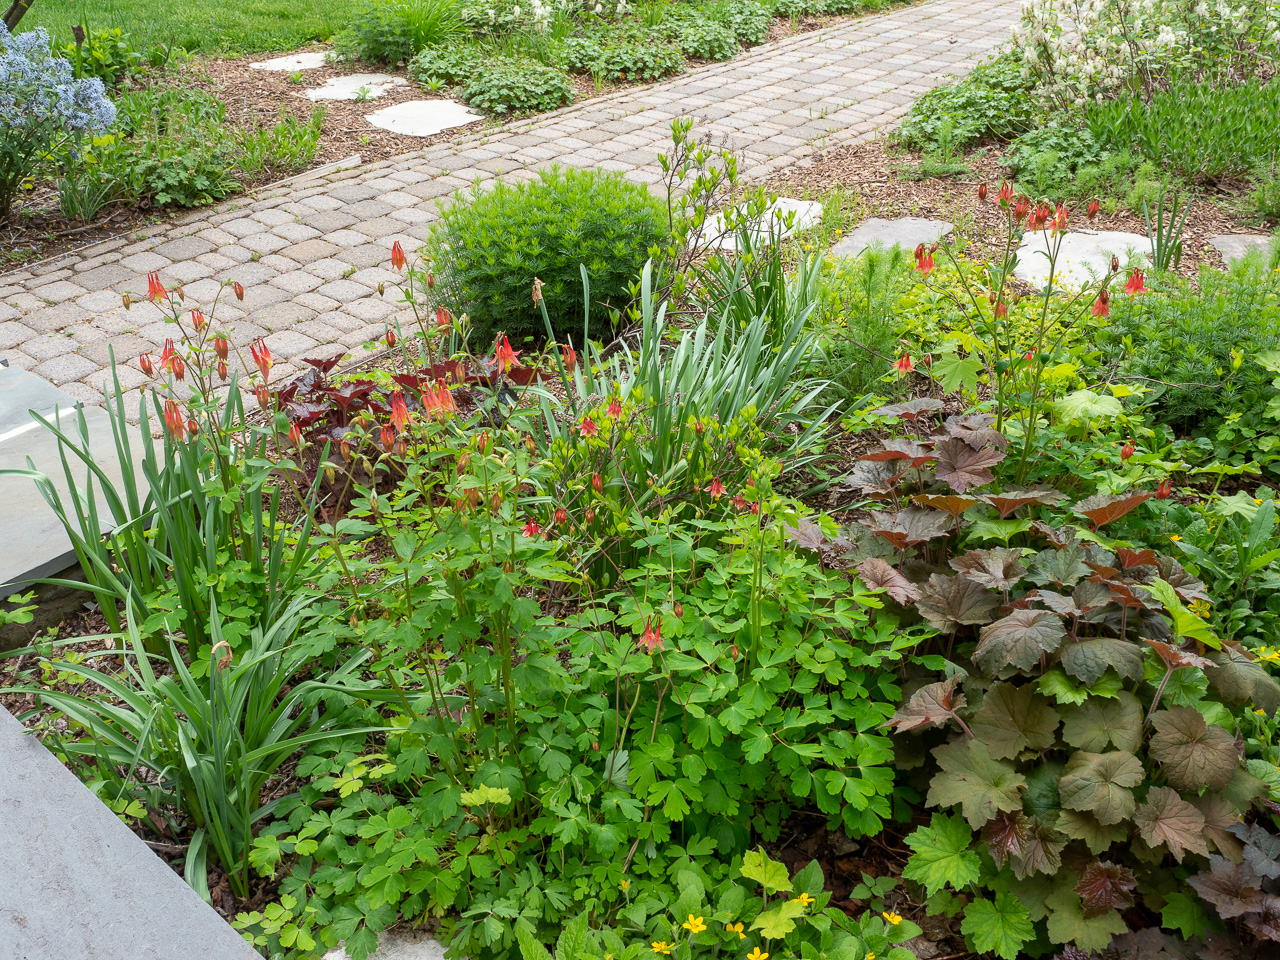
(311, 255)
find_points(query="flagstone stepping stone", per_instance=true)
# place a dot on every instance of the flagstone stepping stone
(423, 118)
(1085, 256)
(399, 946)
(1237, 246)
(771, 223)
(293, 62)
(374, 86)
(76, 882)
(905, 232)
(28, 519)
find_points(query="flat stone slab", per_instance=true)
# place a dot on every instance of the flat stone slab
(292, 63)
(20, 393)
(374, 86)
(905, 232)
(76, 882)
(772, 223)
(423, 118)
(27, 519)
(399, 946)
(1085, 256)
(1237, 246)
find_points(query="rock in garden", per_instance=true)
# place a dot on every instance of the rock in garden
(801, 214)
(423, 118)
(1237, 246)
(358, 86)
(905, 232)
(1084, 256)
(293, 62)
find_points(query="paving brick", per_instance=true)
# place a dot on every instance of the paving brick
(66, 369)
(186, 248)
(309, 250)
(145, 262)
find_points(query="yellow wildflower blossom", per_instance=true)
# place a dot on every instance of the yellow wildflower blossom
(661, 946)
(735, 928)
(892, 918)
(804, 899)
(1175, 538)
(694, 924)
(757, 954)
(625, 884)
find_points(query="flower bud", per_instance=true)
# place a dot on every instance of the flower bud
(144, 362)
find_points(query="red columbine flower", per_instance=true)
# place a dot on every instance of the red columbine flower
(561, 516)
(903, 364)
(588, 427)
(614, 410)
(570, 358)
(155, 289)
(399, 412)
(1165, 489)
(503, 353)
(192, 427)
(173, 420)
(1102, 306)
(263, 395)
(388, 437)
(431, 281)
(144, 362)
(1093, 209)
(1135, 285)
(397, 256)
(179, 368)
(924, 259)
(1021, 207)
(597, 482)
(222, 370)
(442, 318)
(167, 355)
(1059, 222)
(220, 346)
(262, 357)
(1005, 196)
(982, 192)
(739, 502)
(391, 337)
(531, 529)
(1127, 450)
(197, 319)
(1000, 311)
(295, 435)
(716, 489)
(1029, 355)
(238, 289)
(652, 639)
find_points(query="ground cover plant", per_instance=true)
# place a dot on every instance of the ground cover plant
(590, 645)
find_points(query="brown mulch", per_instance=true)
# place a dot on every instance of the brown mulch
(872, 171)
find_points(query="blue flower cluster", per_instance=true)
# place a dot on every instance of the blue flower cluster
(39, 89)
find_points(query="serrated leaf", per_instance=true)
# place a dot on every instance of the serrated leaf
(1185, 914)
(964, 467)
(776, 922)
(1088, 660)
(1018, 640)
(954, 504)
(1091, 725)
(908, 527)
(875, 478)
(975, 429)
(1083, 825)
(1240, 679)
(1064, 567)
(955, 372)
(950, 602)
(1101, 509)
(910, 410)
(934, 703)
(1068, 924)
(1010, 500)
(1261, 849)
(997, 568)
(1175, 658)
(1103, 887)
(1233, 888)
(1000, 926)
(970, 777)
(1101, 784)
(1013, 719)
(878, 575)
(1082, 406)
(915, 453)
(1168, 820)
(1194, 754)
(941, 856)
(1006, 835)
(1041, 851)
(1221, 820)
(770, 874)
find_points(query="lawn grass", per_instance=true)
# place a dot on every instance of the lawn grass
(204, 26)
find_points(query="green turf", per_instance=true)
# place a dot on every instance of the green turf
(203, 26)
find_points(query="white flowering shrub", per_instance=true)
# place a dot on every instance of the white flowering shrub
(42, 107)
(1076, 50)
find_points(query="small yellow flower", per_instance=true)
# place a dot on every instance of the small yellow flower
(1175, 538)
(804, 899)
(892, 918)
(871, 956)
(1257, 501)
(1269, 655)
(661, 946)
(1200, 608)
(625, 884)
(756, 954)
(735, 928)
(694, 925)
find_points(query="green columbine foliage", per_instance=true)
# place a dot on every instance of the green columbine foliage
(991, 101)
(1081, 741)
(598, 752)
(492, 244)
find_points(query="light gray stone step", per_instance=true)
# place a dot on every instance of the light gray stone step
(77, 884)
(905, 232)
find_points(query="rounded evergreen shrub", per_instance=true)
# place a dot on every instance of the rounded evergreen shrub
(489, 247)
